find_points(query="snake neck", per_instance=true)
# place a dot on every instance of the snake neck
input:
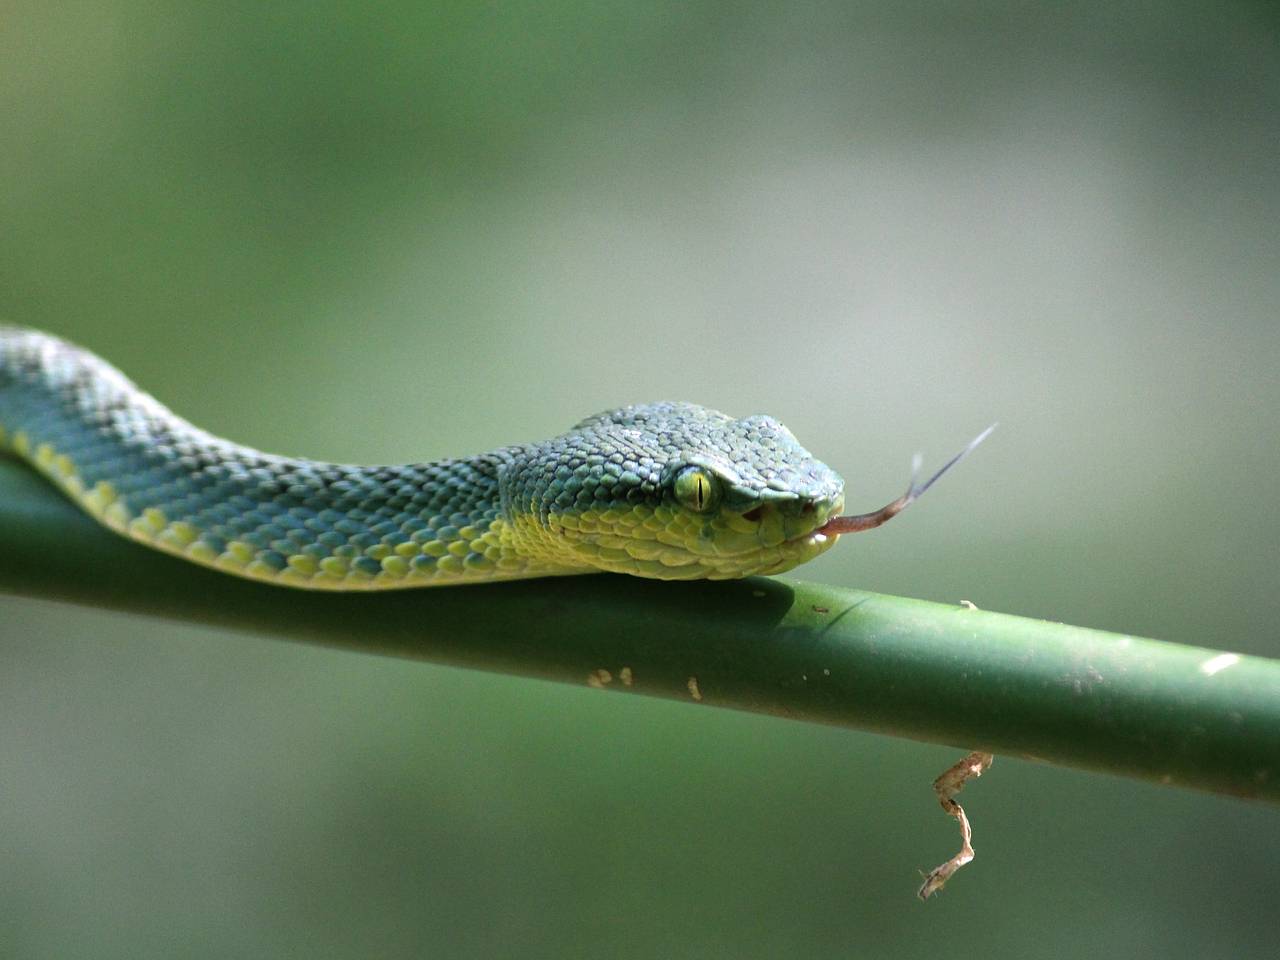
(146, 473)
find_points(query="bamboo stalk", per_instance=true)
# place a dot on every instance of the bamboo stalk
(973, 679)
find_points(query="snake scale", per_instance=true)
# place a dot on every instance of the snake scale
(671, 491)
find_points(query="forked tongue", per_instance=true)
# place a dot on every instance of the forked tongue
(869, 521)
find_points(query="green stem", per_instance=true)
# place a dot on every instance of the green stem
(945, 674)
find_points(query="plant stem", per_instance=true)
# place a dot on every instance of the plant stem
(969, 678)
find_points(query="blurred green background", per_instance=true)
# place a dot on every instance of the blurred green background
(398, 231)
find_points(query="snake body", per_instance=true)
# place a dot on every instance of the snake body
(672, 491)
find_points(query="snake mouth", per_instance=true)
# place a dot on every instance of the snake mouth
(817, 523)
(818, 535)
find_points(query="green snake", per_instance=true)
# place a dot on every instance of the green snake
(671, 491)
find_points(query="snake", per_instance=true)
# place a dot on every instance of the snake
(667, 490)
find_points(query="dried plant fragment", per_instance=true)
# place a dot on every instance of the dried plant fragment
(946, 787)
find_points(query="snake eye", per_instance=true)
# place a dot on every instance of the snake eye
(697, 489)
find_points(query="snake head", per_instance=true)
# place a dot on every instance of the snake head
(672, 491)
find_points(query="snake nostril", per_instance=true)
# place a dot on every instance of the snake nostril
(754, 515)
(808, 507)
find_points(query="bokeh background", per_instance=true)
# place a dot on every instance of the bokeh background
(393, 231)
